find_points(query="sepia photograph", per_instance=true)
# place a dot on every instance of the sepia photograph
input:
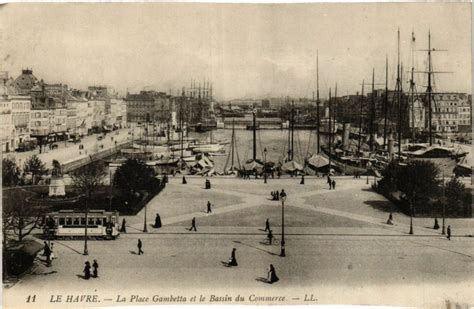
(236, 153)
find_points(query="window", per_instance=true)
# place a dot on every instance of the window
(76, 221)
(62, 221)
(83, 221)
(98, 221)
(90, 221)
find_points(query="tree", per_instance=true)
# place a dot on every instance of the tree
(132, 176)
(455, 196)
(87, 179)
(36, 167)
(388, 183)
(10, 172)
(418, 181)
(19, 217)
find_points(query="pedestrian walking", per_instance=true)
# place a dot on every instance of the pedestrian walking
(267, 225)
(123, 229)
(87, 270)
(333, 184)
(283, 193)
(302, 180)
(233, 260)
(95, 267)
(209, 207)
(157, 221)
(390, 219)
(436, 224)
(139, 245)
(184, 180)
(448, 236)
(193, 224)
(270, 237)
(271, 276)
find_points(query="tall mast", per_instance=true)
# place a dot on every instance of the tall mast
(317, 100)
(233, 142)
(254, 135)
(289, 131)
(429, 90)
(292, 129)
(181, 133)
(399, 101)
(385, 106)
(360, 118)
(412, 87)
(372, 113)
(329, 122)
(333, 127)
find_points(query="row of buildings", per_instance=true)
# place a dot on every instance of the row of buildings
(32, 110)
(35, 112)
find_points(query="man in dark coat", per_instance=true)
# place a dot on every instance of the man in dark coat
(283, 193)
(209, 207)
(267, 225)
(333, 184)
(139, 245)
(184, 180)
(193, 224)
(123, 229)
(157, 221)
(95, 267)
(448, 232)
(302, 180)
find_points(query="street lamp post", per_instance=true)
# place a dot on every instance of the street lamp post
(282, 252)
(265, 165)
(443, 230)
(145, 229)
(411, 218)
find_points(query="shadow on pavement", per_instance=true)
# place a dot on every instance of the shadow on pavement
(256, 248)
(45, 274)
(133, 252)
(261, 279)
(385, 206)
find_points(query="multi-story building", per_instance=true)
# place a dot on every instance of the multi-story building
(118, 112)
(450, 112)
(21, 108)
(6, 122)
(148, 106)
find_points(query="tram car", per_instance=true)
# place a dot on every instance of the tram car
(71, 224)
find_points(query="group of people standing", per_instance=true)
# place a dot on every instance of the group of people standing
(277, 195)
(87, 270)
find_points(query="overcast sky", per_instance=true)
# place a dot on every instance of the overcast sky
(246, 50)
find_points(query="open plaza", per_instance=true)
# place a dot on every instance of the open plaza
(338, 247)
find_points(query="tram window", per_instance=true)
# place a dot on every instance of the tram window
(104, 221)
(68, 221)
(90, 221)
(98, 221)
(83, 221)
(62, 221)
(113, 220)
(76, 221)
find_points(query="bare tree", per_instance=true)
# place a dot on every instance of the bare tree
(19, 217)
(87, 179)
(36, 167)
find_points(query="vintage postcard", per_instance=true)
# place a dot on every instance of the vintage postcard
(236, 153)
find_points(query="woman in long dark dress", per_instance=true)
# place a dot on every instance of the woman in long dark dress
(233, 260)
(272, 277)
(87, 270)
